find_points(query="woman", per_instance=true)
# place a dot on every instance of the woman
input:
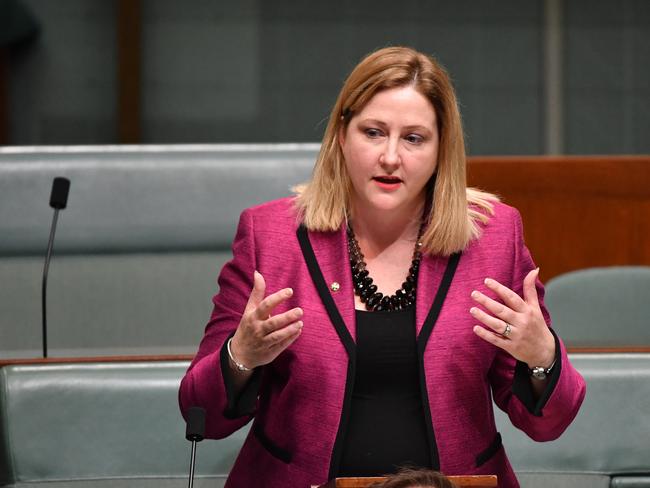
(343, 374)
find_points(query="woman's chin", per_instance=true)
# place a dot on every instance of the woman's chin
(388, 204)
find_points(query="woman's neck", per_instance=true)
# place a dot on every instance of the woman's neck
(378, 230)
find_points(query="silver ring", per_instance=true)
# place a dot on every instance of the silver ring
(507, 330)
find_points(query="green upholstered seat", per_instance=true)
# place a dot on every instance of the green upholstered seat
(94, 424)
(601, 306)
(609, 436)
(624, 481)
(139, 247)
(101, 424)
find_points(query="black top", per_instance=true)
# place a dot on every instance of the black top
(386, 428)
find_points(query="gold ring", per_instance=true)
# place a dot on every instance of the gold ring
(507, 330)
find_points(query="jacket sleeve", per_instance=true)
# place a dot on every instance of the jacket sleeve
(545, 418)
(206, 383)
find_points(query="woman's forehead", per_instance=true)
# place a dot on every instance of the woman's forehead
(405, 103)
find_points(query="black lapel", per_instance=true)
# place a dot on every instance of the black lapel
(344, 336)
(422, 340)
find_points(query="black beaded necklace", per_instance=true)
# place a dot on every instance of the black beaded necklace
(366, 290)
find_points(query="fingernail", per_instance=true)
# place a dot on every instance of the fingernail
(289, 292)
(299, 324)
(473, 310)
(489, 281)
(474, 294)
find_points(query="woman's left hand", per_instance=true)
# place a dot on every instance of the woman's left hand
(516, 325)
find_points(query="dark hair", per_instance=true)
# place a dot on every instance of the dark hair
(410, 478)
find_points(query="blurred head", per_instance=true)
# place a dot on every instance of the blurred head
(415, 478)
(325, 201)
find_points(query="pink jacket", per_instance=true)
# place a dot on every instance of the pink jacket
(300, 402)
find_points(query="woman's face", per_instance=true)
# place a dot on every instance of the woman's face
(390, 150)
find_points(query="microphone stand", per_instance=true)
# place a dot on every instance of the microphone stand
(192, 462)
(194, 432)
(48, 256)
(58, 201)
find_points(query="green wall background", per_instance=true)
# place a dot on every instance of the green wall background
(269, 71)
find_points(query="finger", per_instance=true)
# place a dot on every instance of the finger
(509, 297)
(497, 325)
(281, 346)
(284, 336)
(257, 293)
(492, 338)
(496, 308)
(530, 291)
(281, 321)
(266, 306)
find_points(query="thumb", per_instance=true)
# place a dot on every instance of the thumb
(257, 293)
(530, 290)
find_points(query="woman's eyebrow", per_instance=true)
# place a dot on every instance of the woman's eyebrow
(374, 121)
(384, 124)
(418, 127)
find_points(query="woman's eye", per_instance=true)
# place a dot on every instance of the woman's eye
(373, 133)
(414, 139)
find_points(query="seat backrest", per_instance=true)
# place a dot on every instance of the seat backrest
(129, 199)
(138, 248)
(601, 306)
(609, 436)
(108, 420)
(100, 421)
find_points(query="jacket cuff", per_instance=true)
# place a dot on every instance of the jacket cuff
(244, 403)
(522, 387)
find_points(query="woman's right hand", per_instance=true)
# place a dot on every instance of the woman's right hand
(261, 336)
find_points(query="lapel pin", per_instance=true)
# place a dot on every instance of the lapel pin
(335, 286)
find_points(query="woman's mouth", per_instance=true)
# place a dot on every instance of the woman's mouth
(389, 183)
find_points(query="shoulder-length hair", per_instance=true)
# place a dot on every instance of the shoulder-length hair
(454, 211)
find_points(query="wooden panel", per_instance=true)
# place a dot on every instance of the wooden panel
(480, 481)
(578, 212)
(128, 75)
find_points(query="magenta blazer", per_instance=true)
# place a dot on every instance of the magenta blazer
(300, 403)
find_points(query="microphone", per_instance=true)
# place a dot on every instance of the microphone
(194, 432)
(58, 201)
(59, 195)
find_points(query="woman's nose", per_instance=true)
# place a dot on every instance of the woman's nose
(390, 155)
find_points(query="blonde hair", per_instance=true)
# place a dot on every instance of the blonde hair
(454, 210)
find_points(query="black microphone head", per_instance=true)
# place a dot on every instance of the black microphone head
(60, 189)
(195, 430)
